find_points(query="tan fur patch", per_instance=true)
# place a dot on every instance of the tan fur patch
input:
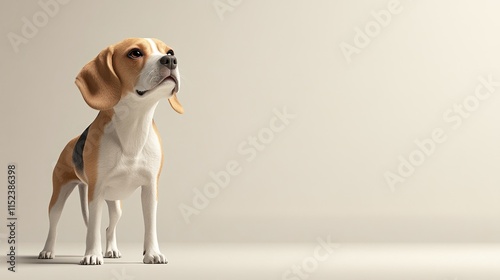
(127, 69)
(112, 73)
(64, 171)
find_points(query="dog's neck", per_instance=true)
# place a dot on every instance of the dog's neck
(132, 122)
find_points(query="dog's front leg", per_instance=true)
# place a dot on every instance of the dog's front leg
(152, 253)
(93, 252)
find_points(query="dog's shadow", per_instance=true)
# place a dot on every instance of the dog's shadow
(66, 259)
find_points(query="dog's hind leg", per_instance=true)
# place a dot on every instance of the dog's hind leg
(64, 181)
(115, 212)
(57, 205)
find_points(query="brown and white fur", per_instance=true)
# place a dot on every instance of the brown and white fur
(121, 149)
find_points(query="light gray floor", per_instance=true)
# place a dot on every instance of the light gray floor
(271, 261)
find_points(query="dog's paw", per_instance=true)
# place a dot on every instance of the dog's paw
(113, 253)
(92, 260)
(153, 257)
(46, 255)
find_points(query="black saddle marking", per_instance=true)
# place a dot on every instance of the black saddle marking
(78, 150)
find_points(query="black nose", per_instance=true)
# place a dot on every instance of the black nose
(170, 61)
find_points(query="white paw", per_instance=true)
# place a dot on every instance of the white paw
(153, 257)
(113, 253)
(92, 260)
(46, 255)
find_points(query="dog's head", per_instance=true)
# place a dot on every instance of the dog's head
(145, 68)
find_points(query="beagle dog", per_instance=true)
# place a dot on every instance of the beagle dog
(121, 149)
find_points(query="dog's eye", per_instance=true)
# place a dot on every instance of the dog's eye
(135, 53)
(170, 52)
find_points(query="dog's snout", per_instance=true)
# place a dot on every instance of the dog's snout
(169, 61)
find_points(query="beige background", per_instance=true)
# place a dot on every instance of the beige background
(323, 174)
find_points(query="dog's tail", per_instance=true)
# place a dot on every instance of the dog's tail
(84, 202)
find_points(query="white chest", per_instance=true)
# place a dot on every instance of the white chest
(123, 165)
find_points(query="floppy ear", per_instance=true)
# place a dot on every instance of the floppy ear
(98, 82)
(176, 105)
